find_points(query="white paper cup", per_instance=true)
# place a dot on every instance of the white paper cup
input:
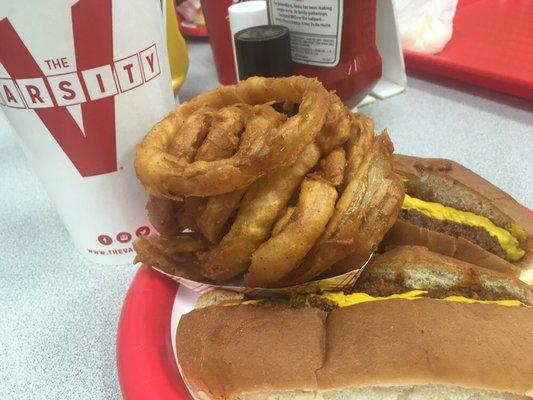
(81, 87)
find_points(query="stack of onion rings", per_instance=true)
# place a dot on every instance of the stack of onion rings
(239, 189)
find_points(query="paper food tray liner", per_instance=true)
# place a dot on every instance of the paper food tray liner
(333, 284)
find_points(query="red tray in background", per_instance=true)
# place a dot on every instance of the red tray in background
(189, 29)
(491, 46)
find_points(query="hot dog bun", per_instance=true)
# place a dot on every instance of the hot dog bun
(394, 349)
(440, 347)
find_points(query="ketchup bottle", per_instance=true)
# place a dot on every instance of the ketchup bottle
(332, 40)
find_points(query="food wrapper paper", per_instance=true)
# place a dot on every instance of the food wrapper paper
(333, 284)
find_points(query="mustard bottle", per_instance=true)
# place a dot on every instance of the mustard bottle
(176, 47)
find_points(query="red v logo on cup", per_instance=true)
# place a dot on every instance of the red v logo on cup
(93, 152)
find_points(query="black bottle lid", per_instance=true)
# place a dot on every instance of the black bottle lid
(263, 50)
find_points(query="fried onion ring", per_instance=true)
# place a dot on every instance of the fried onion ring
(221, 142)
(259, 210)
(191, 134)
(186, 242)
(166, 175)
(162, 214)
(337, 129)
(217, 213)
(283, 221)
(280, 198)
(224, 135)
(191, 209)
(333, 166)
(175, 256)
(364, 213)
(314, 209)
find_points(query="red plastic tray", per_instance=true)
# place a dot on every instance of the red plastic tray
(145, 358)
(491, 46)
(188, 29)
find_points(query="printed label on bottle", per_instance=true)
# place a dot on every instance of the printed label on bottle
(315, 27)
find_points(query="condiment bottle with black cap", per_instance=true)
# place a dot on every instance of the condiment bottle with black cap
(263, 50)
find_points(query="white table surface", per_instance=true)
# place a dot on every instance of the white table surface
(59, 312)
